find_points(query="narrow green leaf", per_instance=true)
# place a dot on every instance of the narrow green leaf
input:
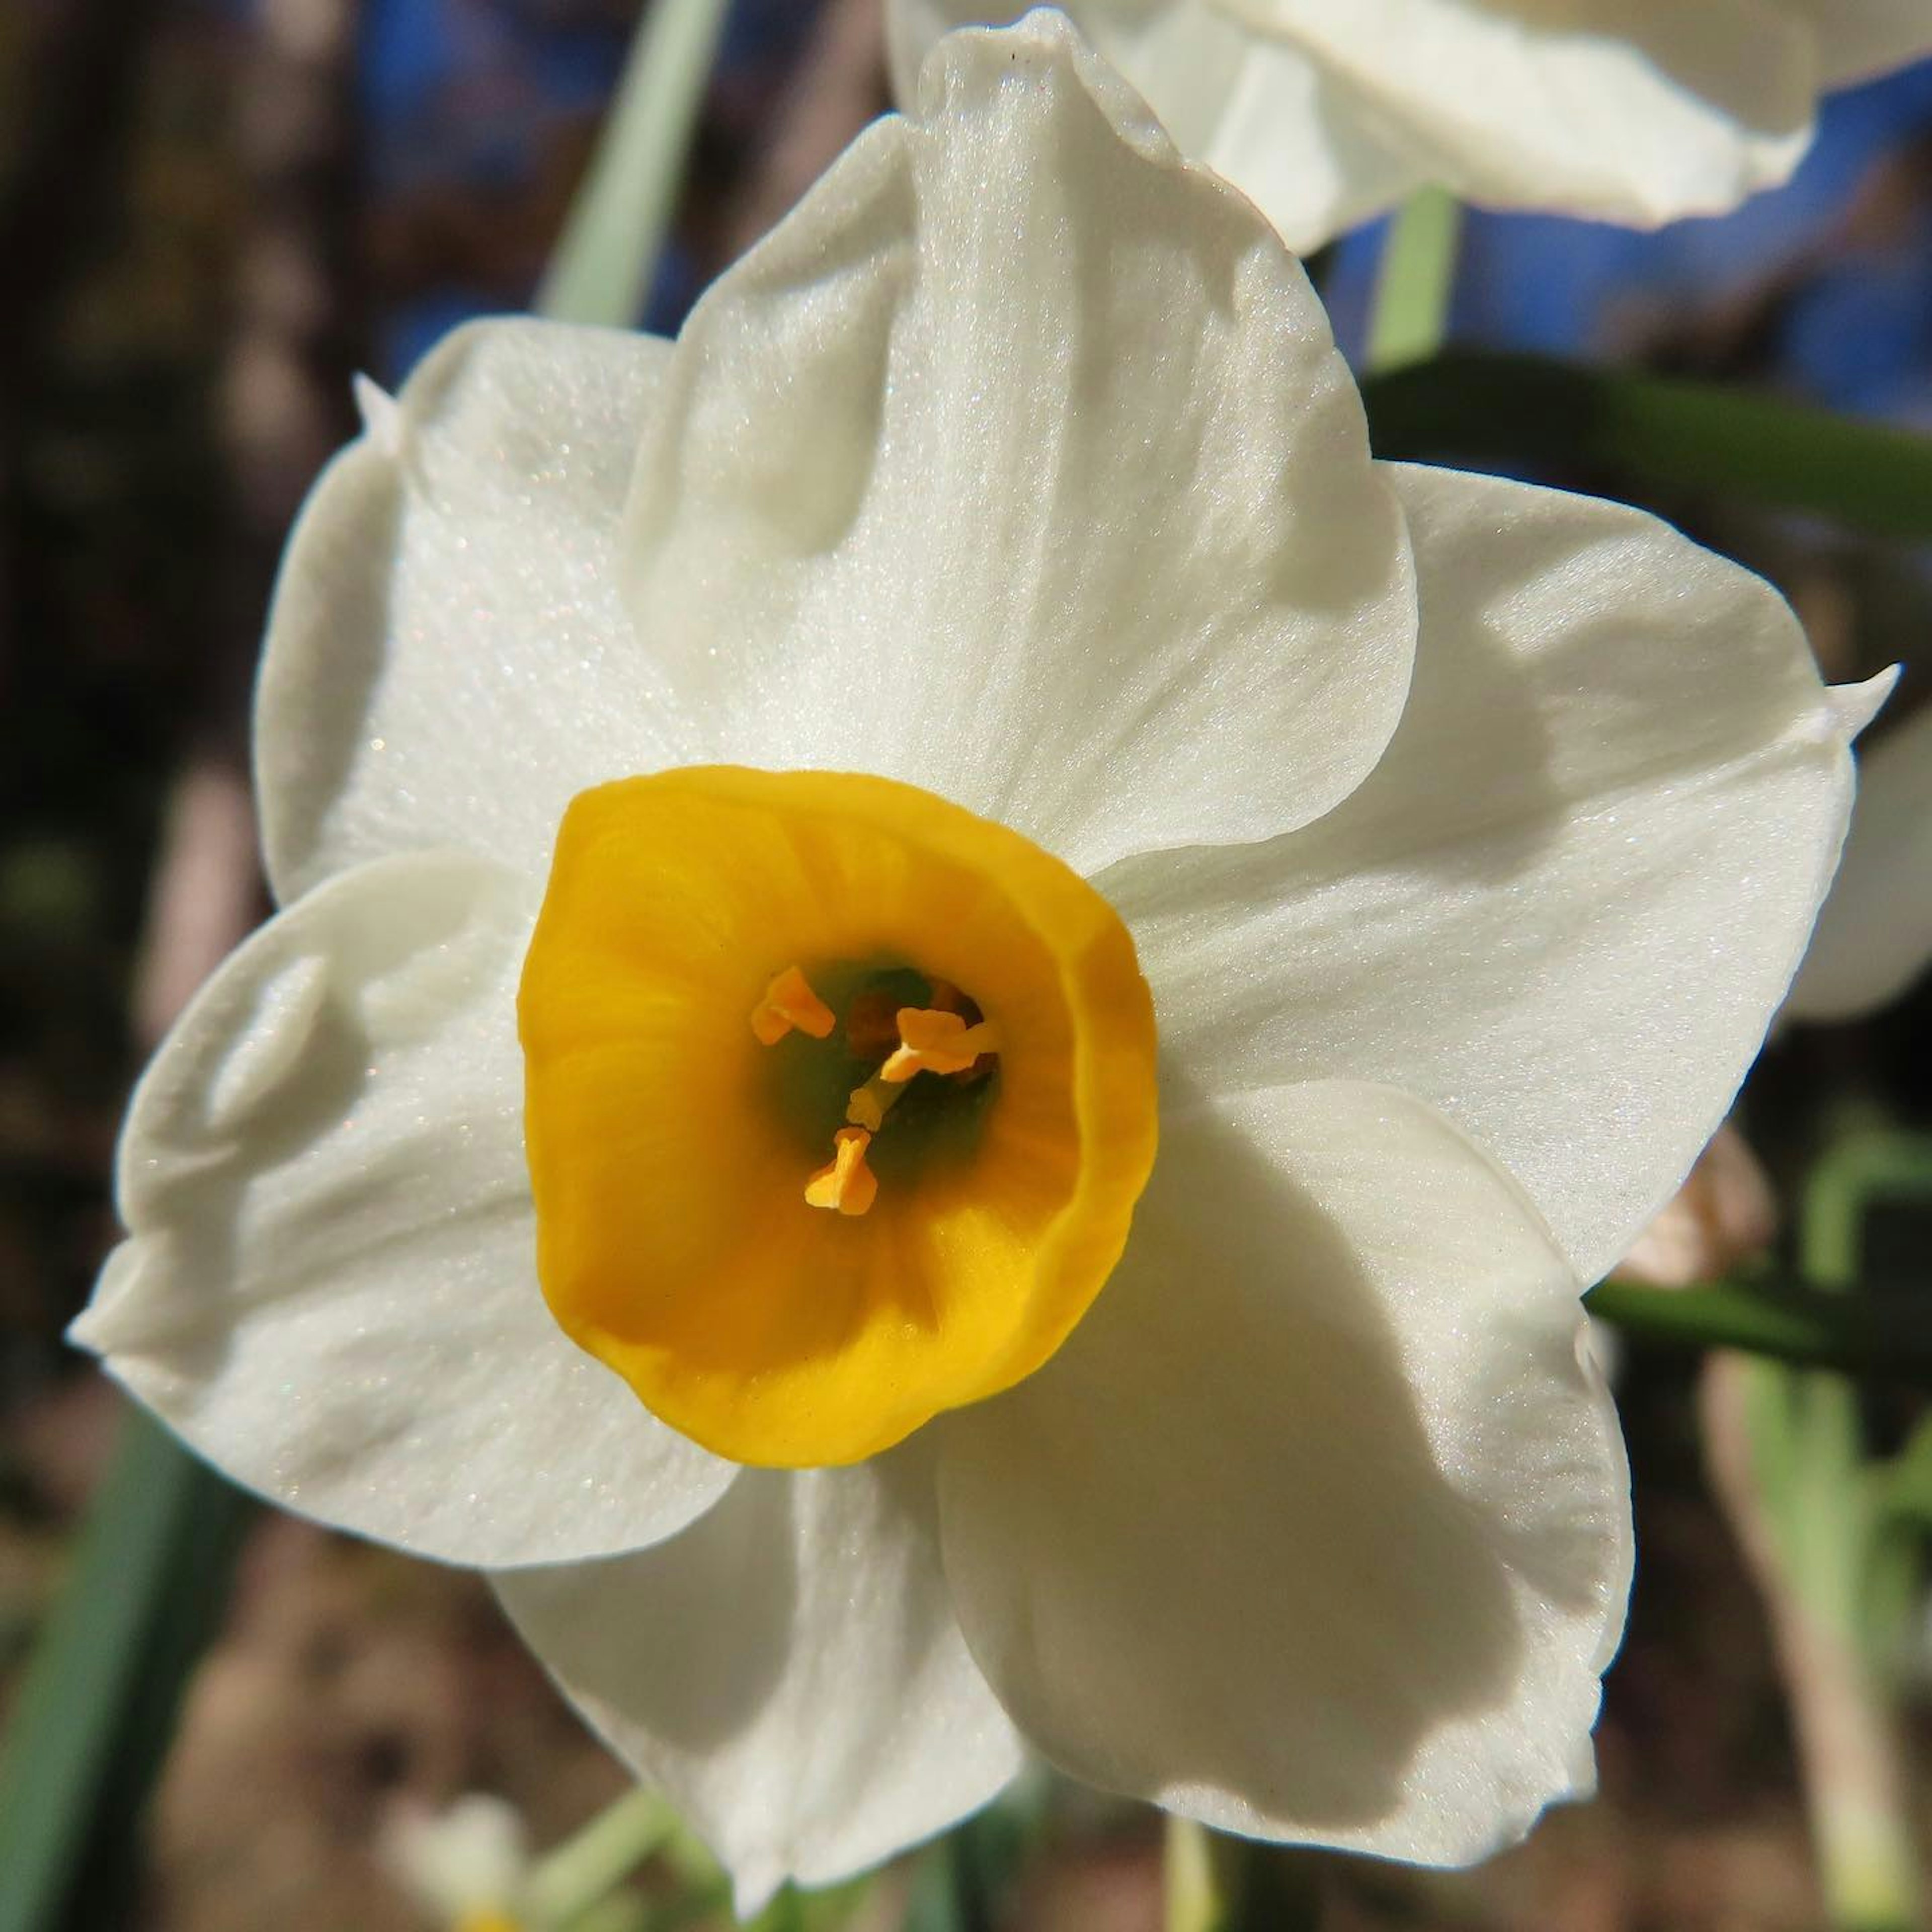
(1415, 281)
(1889, 1336)
(148, 1578)
(1671, 435)
(602, 266)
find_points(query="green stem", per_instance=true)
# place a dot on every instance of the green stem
(1192, 1897)
(586, 1869)
(1815, 1537)
(601, 268)
(1848, 1727)
(1415, 281)
(1789, 1454)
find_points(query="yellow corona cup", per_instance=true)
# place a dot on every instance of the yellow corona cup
(792, 1237)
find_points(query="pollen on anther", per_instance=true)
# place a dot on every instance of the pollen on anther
(789, 1002)
(847, 1184)
(933, 1042)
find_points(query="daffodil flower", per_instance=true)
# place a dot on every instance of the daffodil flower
(467, 1866)
(1328, 111)
(926, 1071)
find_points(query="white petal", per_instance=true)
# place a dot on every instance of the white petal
(447, 661)
(1859, 38)
(1638, 111)
(912, 27)
(1874, 937)
(1565, 906)
(1858, 704)
(1631, 110)
(788, 1671)
(1318, 1528)
(329, 1286)
(1307, 148)
(1019, 464)
(1250, 106)
(1185, 56)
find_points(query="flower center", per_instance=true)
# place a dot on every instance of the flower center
(838, 1100)
(866, 1066)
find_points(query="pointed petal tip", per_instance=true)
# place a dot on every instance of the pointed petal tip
(100, 1327)
(755, 1884)
(381, 415)
(1050, 43)
(1854, 706)
(83, 1333)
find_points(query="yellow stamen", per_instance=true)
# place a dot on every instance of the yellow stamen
(931, 1042)
(790, 1002)
(486, 1918)
(870, 1104)
(847, 1184)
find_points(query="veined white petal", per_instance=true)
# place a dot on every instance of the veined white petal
(1317, 1527)
(788, 1670)
(448, 660)
(1018, 463)
(1874, 937)
(1638, 111)
(1567, 903)
(329, 1284)
(1252, 107)
(1185, 56)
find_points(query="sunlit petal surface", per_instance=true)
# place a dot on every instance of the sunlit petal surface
(1565, 905)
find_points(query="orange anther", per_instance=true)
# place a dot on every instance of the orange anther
(790, 1002)
(931, 1042)
(847, 1184)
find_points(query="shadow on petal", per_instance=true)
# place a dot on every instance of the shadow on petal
(1211, 1555)
(691, 1638)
